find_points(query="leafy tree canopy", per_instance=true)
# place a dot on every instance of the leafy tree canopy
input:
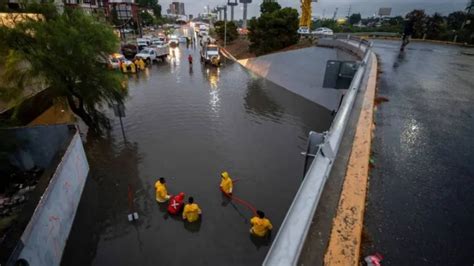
(355, 18)
(269, 7)
(273, 31)
(232, 33)
(68, 52)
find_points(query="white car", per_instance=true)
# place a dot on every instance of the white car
(323, 31)
(303, 30)
(147, 54)
(173, 41)
(158, 41)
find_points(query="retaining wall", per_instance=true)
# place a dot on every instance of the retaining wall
(44, 239)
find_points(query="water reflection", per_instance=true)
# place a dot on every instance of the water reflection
(257, 101)
(261, 241)
(103, 213)
(193, 227)
(212, 75)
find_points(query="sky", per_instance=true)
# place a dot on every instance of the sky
(326, 8)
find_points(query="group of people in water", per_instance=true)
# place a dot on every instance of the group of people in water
(191, 212)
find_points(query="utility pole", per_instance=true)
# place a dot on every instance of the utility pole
(232, 4)
(225, 25)
(349, 12)
(245, 2)
(335, 13)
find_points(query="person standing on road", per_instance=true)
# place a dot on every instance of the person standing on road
(260, 225)
(407, 33)
(190, 59)
(226, 183)
(161, 191)
(191, 212)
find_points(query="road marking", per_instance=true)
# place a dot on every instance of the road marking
(346, 233)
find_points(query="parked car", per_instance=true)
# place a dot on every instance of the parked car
(323, 31)
(115, 60)
(158, 41)
(143, 42)
(203, 32)
(129, 50)
(151, 54)
(173, 41)
(303, 30)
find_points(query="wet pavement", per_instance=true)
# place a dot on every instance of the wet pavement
(187, 125)
(421, 200)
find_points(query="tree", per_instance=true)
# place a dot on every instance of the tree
(355, 18)
(269, 7)
(151, 4)
(273, 31)
(146, 18)
(418, 17)
(435, 26)
(67, 52)
(231, 30)
(455, 20)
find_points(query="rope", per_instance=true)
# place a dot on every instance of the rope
(241, 201)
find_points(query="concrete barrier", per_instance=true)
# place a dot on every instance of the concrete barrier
(45, 236)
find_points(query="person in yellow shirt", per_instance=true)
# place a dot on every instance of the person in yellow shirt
(191, 211)
(226, 183)
(161, 191)
(260, 225)
(141, 63)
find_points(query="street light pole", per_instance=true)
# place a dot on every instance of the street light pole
(225, 26)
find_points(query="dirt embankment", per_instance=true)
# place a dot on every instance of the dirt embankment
(240, 48)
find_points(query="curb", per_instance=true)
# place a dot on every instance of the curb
(227, 54)
(346, 233)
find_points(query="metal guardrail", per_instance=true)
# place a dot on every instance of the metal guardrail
(290, 239)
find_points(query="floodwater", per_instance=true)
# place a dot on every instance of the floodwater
(188, 125)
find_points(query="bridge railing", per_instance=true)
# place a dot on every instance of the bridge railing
(289, 241)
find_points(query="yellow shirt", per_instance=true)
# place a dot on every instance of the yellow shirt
(141, 64)
(226, 185)
(191, 212)
(161, 192)
(260, 226)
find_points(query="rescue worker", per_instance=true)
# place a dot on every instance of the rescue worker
(161, 191)
(124, 67)
(191, 212)
(176, 203)
(141, 64)
(226, 183)
(135, 61)
(407, 33)
(260, 225)
(133, 68)
(190, 59)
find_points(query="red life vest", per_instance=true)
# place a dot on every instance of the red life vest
(176, 203)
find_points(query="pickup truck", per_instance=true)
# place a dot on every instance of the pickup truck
(210, 54)
(151, 53)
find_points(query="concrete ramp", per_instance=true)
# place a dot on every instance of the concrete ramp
(300, 71)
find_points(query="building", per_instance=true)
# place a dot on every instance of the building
(176, 8)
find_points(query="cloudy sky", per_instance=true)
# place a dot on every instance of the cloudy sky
(327, 8)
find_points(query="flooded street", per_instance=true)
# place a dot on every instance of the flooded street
(188, 125)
